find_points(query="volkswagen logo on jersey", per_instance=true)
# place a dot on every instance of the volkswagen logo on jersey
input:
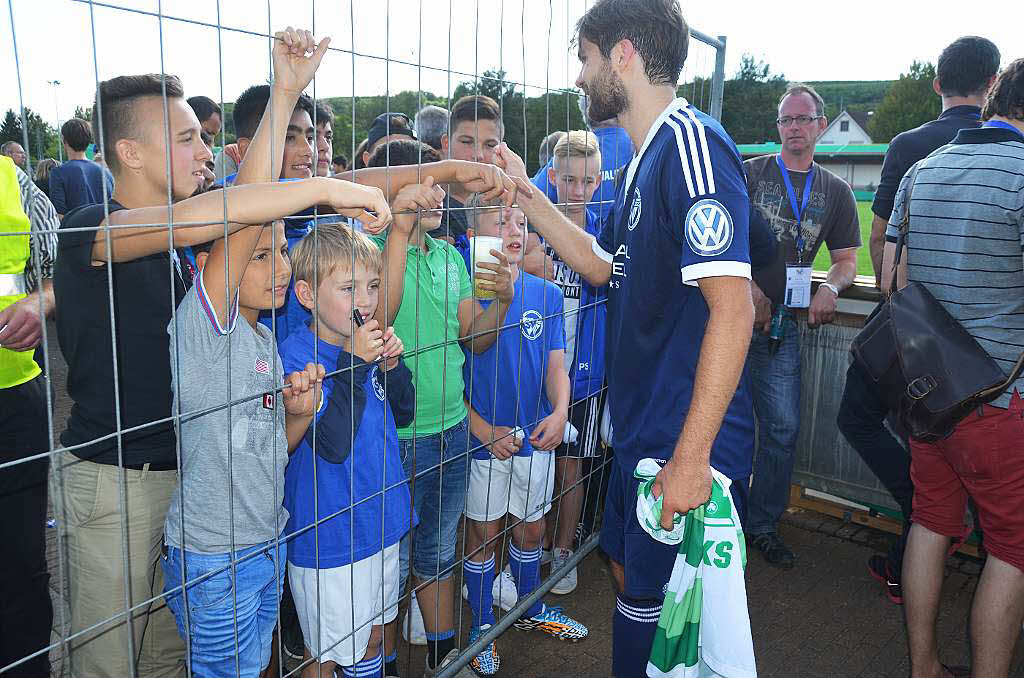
(634, 210)
(708, 228)
(532, 324)
(377, 388)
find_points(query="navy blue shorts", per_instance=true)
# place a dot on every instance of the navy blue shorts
(647, 563)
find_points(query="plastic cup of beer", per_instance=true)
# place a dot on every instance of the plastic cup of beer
(480, 246)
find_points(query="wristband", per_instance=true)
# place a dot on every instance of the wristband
(830, 286)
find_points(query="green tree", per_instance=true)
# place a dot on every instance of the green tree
(750, 102)
(42, 138)
(909, 102)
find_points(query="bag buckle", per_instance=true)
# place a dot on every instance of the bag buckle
(921, 387)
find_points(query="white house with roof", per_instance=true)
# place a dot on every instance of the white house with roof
(849, 127)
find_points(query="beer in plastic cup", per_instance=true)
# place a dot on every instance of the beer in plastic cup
(480, 247)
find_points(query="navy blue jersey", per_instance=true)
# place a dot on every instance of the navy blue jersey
(506, 383)
(681, 214)
(359, 492)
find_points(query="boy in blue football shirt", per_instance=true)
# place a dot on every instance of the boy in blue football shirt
(345, 489)
(518, 396)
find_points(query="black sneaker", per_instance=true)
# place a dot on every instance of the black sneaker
(773, 550)
(878, 566)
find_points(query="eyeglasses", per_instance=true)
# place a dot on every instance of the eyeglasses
(787, 120)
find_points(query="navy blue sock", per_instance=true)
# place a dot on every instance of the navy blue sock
(391, 664)
(366, 668)
(439, 645)
(526, 570)
(633, 629)
(479, 580)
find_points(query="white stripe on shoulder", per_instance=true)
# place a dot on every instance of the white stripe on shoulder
(683, 161)
(689, 151)
(702, 133)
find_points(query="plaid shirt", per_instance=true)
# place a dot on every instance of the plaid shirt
(45, 223)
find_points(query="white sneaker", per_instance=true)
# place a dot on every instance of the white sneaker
(412, 624)
(503, 591)
(566, 584)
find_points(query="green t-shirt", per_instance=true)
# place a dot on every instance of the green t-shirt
(435, 283)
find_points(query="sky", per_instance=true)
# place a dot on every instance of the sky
(435, 44)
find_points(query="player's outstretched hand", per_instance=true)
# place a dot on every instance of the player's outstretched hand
(392, 348)
(684, 486)
(490, 180)
(499, 280)
(366, 203)
(296, 57)
(504, 443)
(302, 392)
(549, 432)
(368, 341)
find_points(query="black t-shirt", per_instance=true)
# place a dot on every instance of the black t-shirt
(908, 147)
(142, 307)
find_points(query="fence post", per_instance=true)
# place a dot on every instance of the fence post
(718, 80)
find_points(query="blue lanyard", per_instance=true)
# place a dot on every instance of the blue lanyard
(1003, 125)
(798, 211)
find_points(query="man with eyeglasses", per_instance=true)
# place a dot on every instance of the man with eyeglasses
(806, 205)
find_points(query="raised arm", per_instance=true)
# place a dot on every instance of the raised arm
(201, 218)
(293, 71)
(475, 177)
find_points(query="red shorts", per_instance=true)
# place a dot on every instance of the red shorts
(983, 460)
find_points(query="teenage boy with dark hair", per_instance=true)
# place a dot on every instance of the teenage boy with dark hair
(208, 113)
(78, 181)
(476, 130)
(324, 121)
(147, 282)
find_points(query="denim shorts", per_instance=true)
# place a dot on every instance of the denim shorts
(225, 602)
(439, 497)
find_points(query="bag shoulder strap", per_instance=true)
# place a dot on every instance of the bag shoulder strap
(904, 229)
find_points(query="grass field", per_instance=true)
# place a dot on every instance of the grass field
(821, 262)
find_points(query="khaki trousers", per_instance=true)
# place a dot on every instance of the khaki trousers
(88, 498)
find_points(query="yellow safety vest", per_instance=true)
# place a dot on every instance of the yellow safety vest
(16, 367)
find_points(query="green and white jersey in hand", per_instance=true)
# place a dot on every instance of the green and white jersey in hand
(704, 627)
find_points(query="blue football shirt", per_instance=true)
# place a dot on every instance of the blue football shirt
(681, 214)
(505, 383)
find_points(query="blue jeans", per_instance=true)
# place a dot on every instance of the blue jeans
(439, 497)
(775, 386)
(225, 603)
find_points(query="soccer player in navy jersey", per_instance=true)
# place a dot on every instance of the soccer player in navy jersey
(674, 254)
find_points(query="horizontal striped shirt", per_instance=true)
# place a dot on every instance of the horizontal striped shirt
(966, 237)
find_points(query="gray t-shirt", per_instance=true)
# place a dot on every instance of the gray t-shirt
(232, 459)
(966, 236)
(830, 218)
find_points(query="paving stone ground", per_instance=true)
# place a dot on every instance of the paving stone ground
(825, 618)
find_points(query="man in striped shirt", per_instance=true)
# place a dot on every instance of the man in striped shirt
(964, 244)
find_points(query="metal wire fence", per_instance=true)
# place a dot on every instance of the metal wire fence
(480, 47)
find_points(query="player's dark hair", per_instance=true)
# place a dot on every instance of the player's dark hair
(966, 66)
(252, 103)
(403, 152)
(656, 29)
(204, 107)
(1006, 98)
(113, 111)
(77, 134)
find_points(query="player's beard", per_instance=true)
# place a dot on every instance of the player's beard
(606, 96)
